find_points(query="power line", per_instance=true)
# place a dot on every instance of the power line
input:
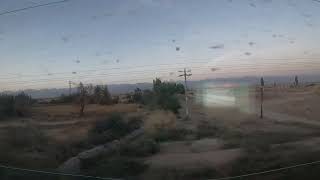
(240, 66)
(268, 171)
(110, 74)
(247, 68)
(107, 69)
(55, 173)
(170, 64)
(130, 81)
(32, 7)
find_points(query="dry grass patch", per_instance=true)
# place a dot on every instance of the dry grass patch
(72, 110)
(162, 126)
(158, 120)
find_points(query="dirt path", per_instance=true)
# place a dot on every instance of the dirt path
(195, 160)
(280, 117)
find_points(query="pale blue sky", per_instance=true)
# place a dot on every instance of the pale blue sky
(124, 41)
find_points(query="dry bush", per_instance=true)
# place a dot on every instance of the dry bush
(162, 126)
(159, 120)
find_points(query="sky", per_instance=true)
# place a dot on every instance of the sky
(132, 41)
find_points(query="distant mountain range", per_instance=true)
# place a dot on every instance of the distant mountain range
(126, 88)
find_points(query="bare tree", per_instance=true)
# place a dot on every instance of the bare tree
(83, 93)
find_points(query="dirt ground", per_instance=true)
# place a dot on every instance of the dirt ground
(62, 122)
(290, 122)
(290, 118)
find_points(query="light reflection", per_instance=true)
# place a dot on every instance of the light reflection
(228, 95)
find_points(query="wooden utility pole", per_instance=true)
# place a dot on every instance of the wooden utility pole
(261, 96)
(186, 73)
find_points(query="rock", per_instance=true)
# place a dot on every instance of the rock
(91, 153)
(73, 165)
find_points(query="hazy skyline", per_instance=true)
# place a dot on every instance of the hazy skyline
(130, 41)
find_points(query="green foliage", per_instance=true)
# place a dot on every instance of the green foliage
(111, 128)
(101, 95)
(167, 88)
(163, 95)
(17, 105)
(169, 103)
(7, 107)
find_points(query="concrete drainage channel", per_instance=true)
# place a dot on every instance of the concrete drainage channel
(73, 165)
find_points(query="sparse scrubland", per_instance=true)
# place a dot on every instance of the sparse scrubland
(213, 142)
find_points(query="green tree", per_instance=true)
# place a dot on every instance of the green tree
(102, 95)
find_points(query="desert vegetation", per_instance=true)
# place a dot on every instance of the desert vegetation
(213, 142)
(15, 105)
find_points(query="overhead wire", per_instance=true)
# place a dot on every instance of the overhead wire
(32, 7)
(208, 60)
(248, 67)
(136, 80)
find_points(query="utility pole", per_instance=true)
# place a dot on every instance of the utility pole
(261, 96)
(186, 73)
(70, 84)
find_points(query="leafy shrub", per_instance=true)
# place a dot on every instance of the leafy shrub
(7, 107)
(17, 105)
(170, 103)
(163, 95)
(113, 127)
(168, 88)
(101, 95)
